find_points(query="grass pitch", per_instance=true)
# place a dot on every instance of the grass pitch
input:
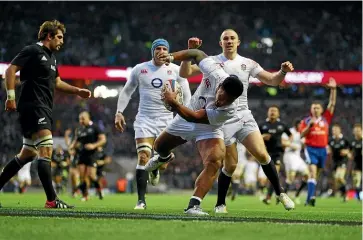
(23, 217)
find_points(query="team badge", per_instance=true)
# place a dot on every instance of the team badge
(243, 67)
(169, 72)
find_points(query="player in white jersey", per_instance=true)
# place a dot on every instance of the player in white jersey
(152, 116)
(237, 174)
(250, 175)
(210, 106)
(24, 177)
(244, 127)
(292, 159)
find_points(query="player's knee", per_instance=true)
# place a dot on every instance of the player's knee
(143, 158)
(230, 167)
(45, 152)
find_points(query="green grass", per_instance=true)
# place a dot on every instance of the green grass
(252, 219)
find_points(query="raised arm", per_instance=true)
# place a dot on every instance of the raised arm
(190, 54)
(186, 90)
(333, 95)
(274, 79)
(186, 67)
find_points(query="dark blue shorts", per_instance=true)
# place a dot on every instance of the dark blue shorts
(316, 156)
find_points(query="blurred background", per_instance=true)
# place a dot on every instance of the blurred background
(321, 39)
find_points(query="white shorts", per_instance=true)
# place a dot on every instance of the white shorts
(261, 173)
(239, 127)
(146, 127)
(24, 173)
(250, 178)
(193, 131)
(294, 162)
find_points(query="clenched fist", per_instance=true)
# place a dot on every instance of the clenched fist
(194, 43)
(287, 67)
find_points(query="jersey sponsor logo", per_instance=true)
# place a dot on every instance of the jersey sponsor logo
(44, 58)
(40, 121)
(280, 127)
(207, 83)
(143, 71)
(156, 82)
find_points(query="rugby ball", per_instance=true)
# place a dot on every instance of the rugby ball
(174, 86)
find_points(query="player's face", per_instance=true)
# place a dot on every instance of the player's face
(57, 42)
(357, 132)
(273, 113)
(159, 50)
(316, 110)
(222, 98)
(336, 131)
(229, 41)
(83, 120)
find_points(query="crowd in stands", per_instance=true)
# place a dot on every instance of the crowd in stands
(314, 35)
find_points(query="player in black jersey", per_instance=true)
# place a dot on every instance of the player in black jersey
(69, 137)
(356, 156)
(88, 138)
(39, 78)
(60, 164)
(339, 148)
(102, 160)
(272, 131)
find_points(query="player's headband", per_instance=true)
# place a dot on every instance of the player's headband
(159, 42)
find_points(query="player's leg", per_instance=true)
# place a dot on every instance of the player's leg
(236, 180)
(163, 145)
(270, 189)
(225, 177)
(74, 175)
(100, 176)
(340, 180)
(44, 142)
(255, 145)
(27, 154)
(212, 152)
(304, 170)
(316, 160)
(357, 179)
(82, 177)
(144, 147)
(58, 182)
(92, 176)
(262, 183)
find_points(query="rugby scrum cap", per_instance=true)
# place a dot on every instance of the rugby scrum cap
(159, 42)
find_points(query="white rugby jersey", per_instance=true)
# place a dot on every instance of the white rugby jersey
(243, 68)
(205, 95)
(150, 79)
(296, 140)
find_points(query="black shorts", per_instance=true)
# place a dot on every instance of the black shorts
(57, 171)
(88, 160)
(100, 171)
(276, 158)
(358, 165)
(340, 164)
(33, 119)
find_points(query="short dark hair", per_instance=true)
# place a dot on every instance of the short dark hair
(233, 86)
(316, 102)
(51, 27)
(274, 106)
(337, 125)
